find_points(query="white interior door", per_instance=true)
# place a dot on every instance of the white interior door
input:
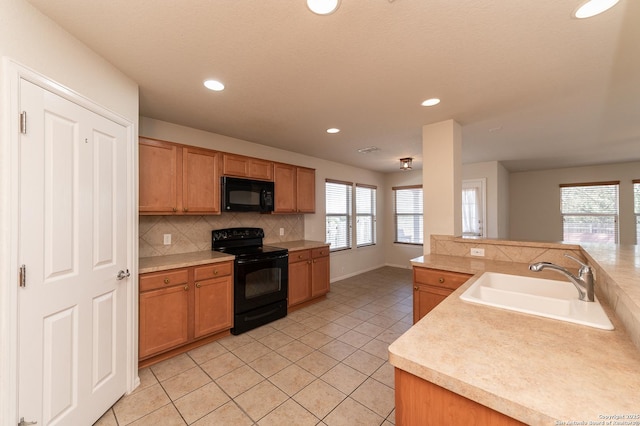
(73, 241)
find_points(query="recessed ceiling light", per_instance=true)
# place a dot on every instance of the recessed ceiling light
(214, 85)
(431, 102)
(323, 7)
(333, 130)
(593, 7)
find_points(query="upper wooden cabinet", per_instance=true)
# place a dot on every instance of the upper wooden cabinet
(295, 189)
(177, 179)
(241, 166)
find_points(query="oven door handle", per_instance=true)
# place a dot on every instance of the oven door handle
(264, 259)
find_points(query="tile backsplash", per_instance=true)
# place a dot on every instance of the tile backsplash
(193, 233)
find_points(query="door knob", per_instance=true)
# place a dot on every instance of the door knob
(123, 274)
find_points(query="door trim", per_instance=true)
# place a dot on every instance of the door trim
(12, 73)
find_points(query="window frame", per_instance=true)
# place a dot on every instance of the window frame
(372, 214)
(615, 216)
(395, 190)
(348, 215)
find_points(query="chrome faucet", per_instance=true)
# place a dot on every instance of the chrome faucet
(583, 282)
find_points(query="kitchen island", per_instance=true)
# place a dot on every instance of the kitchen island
(536, 370)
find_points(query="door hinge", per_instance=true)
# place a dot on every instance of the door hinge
(23, 122)
(23, 276)
(23, 423)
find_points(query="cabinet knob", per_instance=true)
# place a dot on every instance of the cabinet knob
(299, 256)
(185, 209)
(186, 287)
(198, 285)
(416, 288)
(314, 261)
(175, 209)
(309, 262)
(167, 281)
(215, 272)
(440, 280)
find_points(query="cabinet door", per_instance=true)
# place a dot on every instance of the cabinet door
(235, 165)
(213, 306)
(320, 276)
(159, 172)
(306, 190)
(284, 178)
(425, 298)
(201, 181)
(260, 169)
(299, 281)
(163, 319)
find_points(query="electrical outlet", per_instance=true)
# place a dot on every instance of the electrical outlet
(167, 239)
(281, 231)
(477, 252)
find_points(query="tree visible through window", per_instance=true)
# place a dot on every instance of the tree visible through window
(338, 216)
(365, 215)
(589, 212)
(408, 214)
(636, 209)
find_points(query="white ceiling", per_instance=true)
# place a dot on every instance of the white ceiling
(531, 86)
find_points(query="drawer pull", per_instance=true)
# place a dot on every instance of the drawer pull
(167, 281)
(440, 280)
(416, 288)
(198, 285)
(175, 209)
(215, 272)
(299, 256)
(186, 287)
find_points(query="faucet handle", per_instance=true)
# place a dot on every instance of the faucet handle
(584, 268)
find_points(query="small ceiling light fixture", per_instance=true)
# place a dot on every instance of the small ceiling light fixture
(431, 102)
(214, 85)
(333, 130)
(405, 163)
(590, 8)
(323, 7)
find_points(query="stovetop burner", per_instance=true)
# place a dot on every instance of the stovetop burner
(243, 243)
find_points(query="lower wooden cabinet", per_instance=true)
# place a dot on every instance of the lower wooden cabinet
(181, 306)
(419, 402)
(432, 286)
(309, 275)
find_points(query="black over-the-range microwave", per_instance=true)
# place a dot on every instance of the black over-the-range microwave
(246, 195)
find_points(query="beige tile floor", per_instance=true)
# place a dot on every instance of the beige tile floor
(325, 364)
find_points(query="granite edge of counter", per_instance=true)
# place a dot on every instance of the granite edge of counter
(299, 244)
(183, 260)
(485, 396)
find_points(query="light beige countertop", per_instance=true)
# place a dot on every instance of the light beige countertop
(299, 245)
(163, 263)
(537, 370)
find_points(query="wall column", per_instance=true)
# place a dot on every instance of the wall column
(442, 180)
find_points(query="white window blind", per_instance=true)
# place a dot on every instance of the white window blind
(338, 214)
(408, 214)
(365, 215)
(636, 207)
(590, 212)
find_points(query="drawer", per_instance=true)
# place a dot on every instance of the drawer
(438, 278)
(299, 256)
(213, 271)
(320, 252)
(155, 280)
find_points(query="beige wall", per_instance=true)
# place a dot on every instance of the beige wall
(534, 199)
(344, 263)
(497, 201)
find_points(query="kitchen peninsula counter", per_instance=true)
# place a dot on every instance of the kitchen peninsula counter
(536, 370)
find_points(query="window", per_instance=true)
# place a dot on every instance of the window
(589, 212)
(636, 208)
(365, 215)
(408, 214)
(338, 219)
(473, 208)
